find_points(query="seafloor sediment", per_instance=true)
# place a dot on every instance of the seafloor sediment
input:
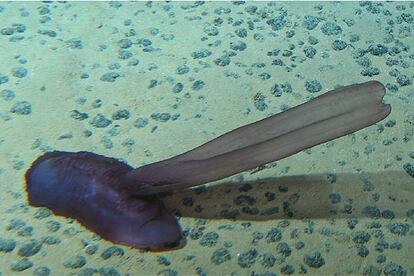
(143, 81)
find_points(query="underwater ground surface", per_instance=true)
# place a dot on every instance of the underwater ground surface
(144, 81)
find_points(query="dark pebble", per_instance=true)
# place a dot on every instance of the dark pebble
(163, 260)
(7, 245)
(51, 240)
(388, 214)
(335, 198)
(125, 43)
(287, 270)
(197, 85)
(220, 256)
(222, 61)
(203, 53)
(178, 87)
(75, 114)
(121, 114)
(141, 122)
(110, 76)
(378, 50)
(42, 213)
(310, 22)
(268, 260)
(274, 235)
(100, 121)
(22, 108)
(283, 249)
(41, 271)
(393, 269)
(74, 43)
(30, 249)
(161, 117)
(371, 212)
(399, 228)
(309, 51)
(112, 251)
(247, 259)
(314, 260)
(21, 265)
(52, 225)
(339, 45)
(331, 28)
(361, 237)
(7, 94)
(19, 72)
(363, 251)
(88, 271)
(313, 86)
(209, 239)
(75, 262)
(409, 169)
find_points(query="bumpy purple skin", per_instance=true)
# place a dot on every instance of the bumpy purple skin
(86, 186)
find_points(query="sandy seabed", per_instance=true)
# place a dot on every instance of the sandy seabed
(146, 81)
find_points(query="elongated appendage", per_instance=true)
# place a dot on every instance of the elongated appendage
(334, 114)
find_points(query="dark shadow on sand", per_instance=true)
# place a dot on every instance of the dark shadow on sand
(298, 197)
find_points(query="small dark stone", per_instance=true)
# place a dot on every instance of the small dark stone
(361, 237)
(183, 69)
(22, 108)
(21, 265)
(75, 114)
(388, 214)
(409, 169)
(247, 259)
(75, 262)
(197, 85)
(41, 271)
(309, 51)
(125, 43)
(30, 249)
(371, 212)
(53, 226)
(310, 22)
(161, 117)
(7, 245)
(163, 260)
(100, 121)
(209, 239)
(220, 256)
(222, 61)
(335, 198)
(314, 260)
(399, 228)
(287, 269)
(203, 53)
(363, 251)
(7, 94)
(393, 269)
(268, 260)
(339, 45)
(331, 28)
(178, 87)
(313, 86)
(283, 249)
(238, 46)
(378, 50)
(74, 43)
(19, 72)
(112, 251)
(110, 76)
(42, 213)
(141, 122)
(274, 235)
(121, 114)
